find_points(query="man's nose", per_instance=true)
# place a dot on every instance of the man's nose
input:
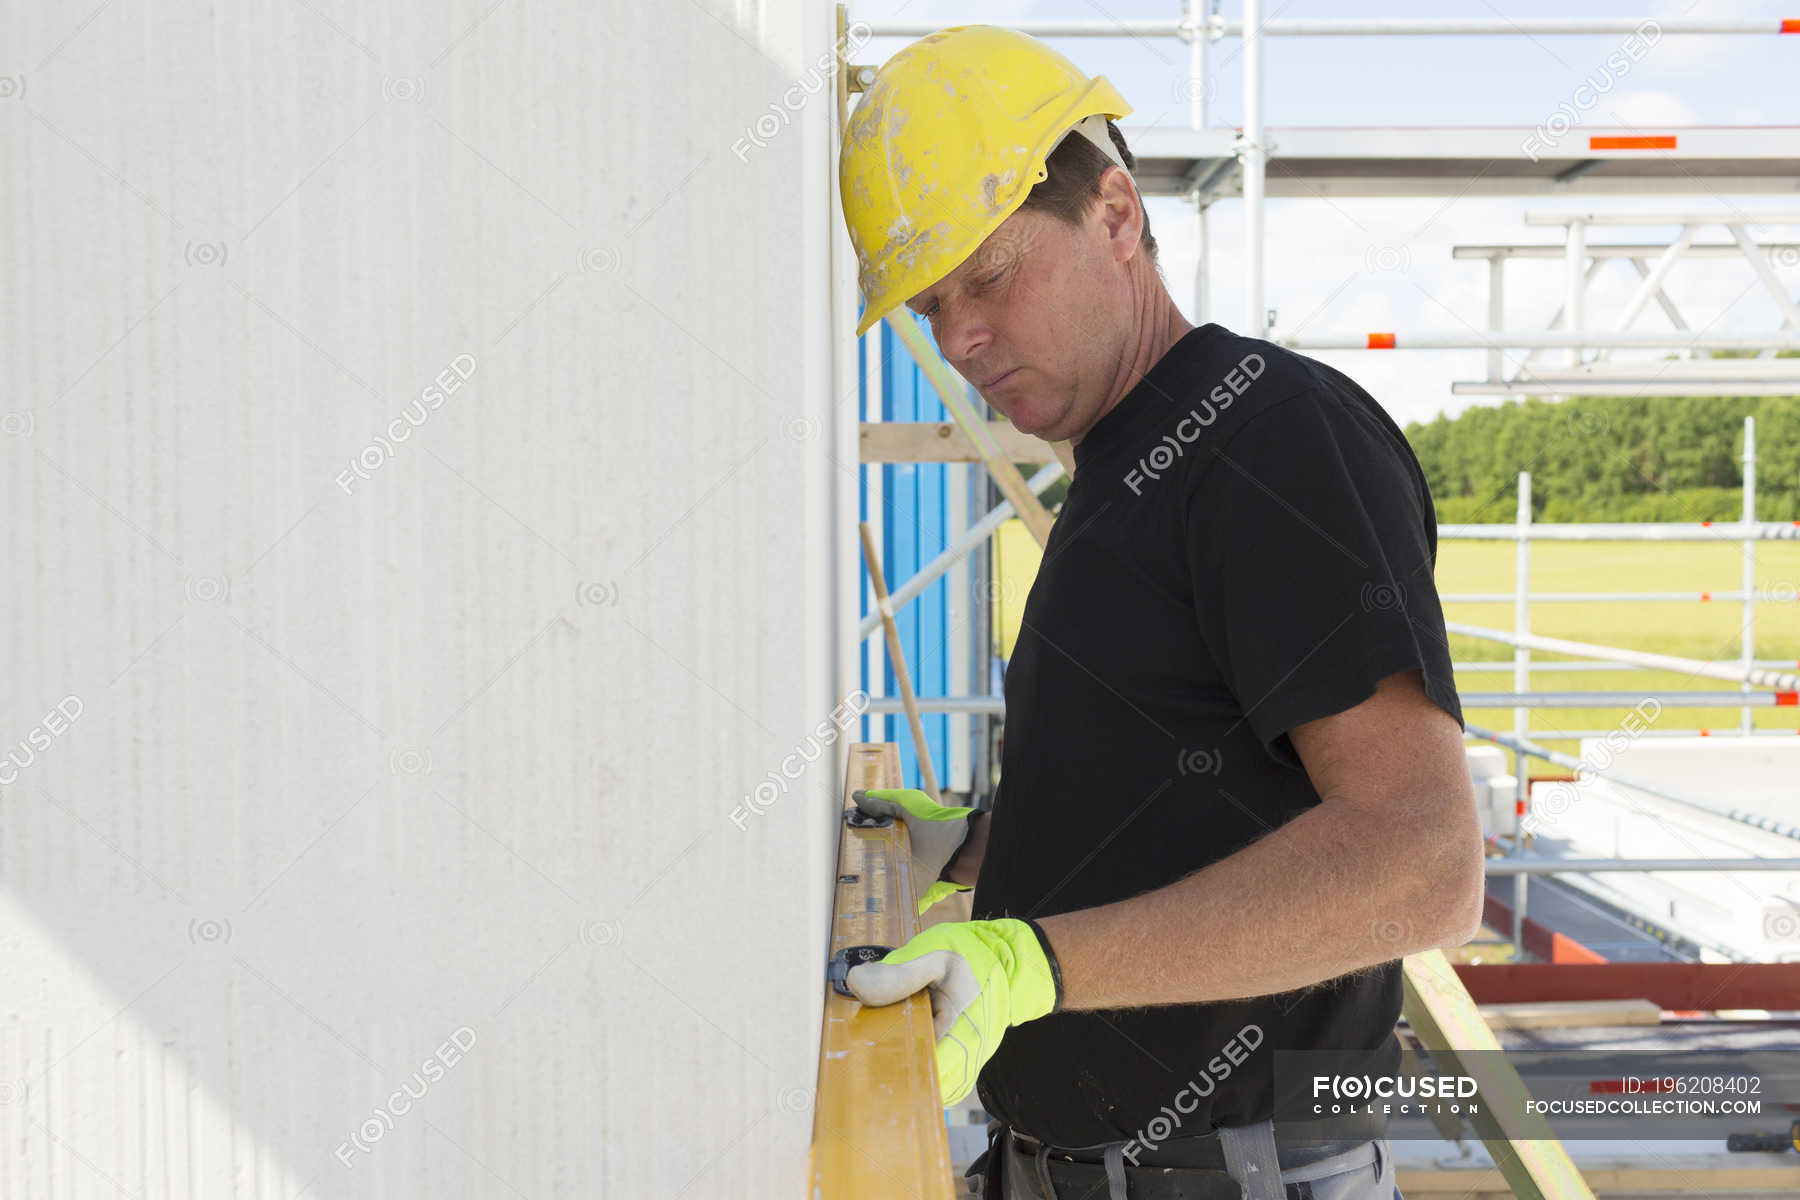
(962, 335)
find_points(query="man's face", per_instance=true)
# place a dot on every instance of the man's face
(1034, 319)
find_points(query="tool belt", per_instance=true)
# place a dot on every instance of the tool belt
(1188, 1168)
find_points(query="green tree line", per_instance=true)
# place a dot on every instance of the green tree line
(1613, 458)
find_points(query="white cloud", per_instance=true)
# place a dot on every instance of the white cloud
(1702, 53)
(1641, 107)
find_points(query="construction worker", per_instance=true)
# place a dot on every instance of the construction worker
(1233, 792)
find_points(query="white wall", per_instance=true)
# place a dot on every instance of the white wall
(357, 762)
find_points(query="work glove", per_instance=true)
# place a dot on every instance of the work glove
(985, 977)
(937, 832)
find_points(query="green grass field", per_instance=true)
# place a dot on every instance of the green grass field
(1709, 630)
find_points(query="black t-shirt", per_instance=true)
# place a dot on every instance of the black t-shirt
(1247, 544)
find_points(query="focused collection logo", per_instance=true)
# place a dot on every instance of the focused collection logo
(1164, 454)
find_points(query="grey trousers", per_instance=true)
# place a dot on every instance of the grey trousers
(1364, 1172)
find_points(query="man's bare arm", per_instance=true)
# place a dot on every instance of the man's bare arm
(1389, 864)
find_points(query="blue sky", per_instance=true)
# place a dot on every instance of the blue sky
(1318, 253)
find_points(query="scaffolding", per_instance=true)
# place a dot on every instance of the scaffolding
(1204, 164)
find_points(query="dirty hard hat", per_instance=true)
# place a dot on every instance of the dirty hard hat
(947, 143)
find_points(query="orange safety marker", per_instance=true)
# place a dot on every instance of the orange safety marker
(1661, 141)
(1381, 341)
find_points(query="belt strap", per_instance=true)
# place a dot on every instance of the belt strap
(1040, 1161)
(1115, 1171)
(1251, 1159)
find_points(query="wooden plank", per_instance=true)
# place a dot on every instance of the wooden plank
(944, 441)
(878, 1124)
(1570, 1014)
(1446, 1020)
(897, 662)
(1682, 987)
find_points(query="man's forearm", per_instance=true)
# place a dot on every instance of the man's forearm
(968, 859)
(1334, 889)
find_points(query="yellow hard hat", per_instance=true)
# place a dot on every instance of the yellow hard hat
(946, 145)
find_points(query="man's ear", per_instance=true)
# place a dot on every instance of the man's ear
(1122, 211)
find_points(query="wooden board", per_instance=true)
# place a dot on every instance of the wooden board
(944, 441)
(1567, 1014)
(1446, 1020)
(878, 1124)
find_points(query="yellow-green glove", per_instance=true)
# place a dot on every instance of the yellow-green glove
(937, 833)
(985, 977)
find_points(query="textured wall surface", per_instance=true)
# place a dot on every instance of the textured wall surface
(415, 431)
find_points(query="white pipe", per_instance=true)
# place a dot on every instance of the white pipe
(1202, 276)
(1197, 105)
(1623, 386)
(1558, 866)
(1579, 699)
(1254, 158)
(1758, 259)
(1673, 531)
(1196, 15)
(1735, 369)
(1522, 625)
(970, 538)
(1503, 26)
(875, 496)
(1662, 297)
(1366, 26)
(1575, 285)
(1550, 216)
(843, 429)
(1546, 340)
(990, 705)
(1781, 681)
(1555, 320)
(1770, 596)
(1507, 253)
(1652, 283)
(1496, 366)
(1748, 655)
(1570, 735)
(1505, 664)
(997, 704)
(1148, 27)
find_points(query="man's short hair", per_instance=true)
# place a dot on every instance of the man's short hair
(1073, 186)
